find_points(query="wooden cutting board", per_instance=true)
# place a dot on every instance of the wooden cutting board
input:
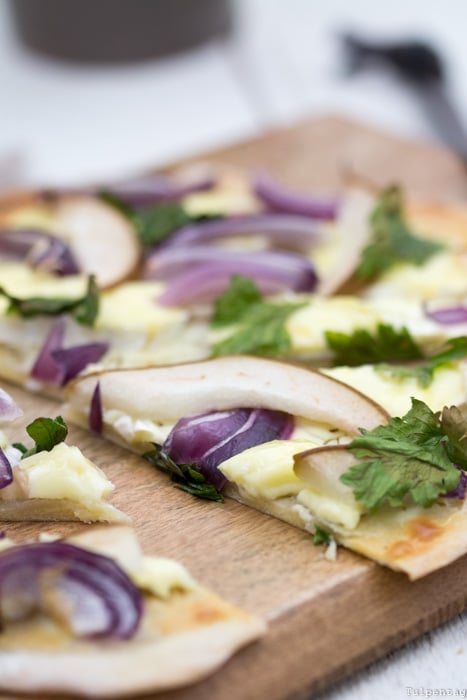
(325, 619)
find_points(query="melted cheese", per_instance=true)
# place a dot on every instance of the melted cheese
(443, 275)
(161, 576)
(345, 314)
(266, 471)
(133, 306)
(447, 388)
(62, 473)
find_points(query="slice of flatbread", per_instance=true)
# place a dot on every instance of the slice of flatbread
(140, 407)
(186, 633)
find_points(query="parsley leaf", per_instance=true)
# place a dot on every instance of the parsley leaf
(187, 477)
(321, 536)
(392, 240)
(46, 433)
(361, 347)
(156, 224)
(260, 325)
(152, 224)
(456, 349)
(410, 455)
(84, 309)
(235, 301)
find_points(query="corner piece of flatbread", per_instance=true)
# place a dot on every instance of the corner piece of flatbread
(181, 640)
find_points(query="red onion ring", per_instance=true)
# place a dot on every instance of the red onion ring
(279, 199)
(45, 368)
(9, 409)
(95, 411)
(204, 283)
(211, 438)
(6, 472)
(450, 315)
(283, 230)
(164, 264)
(40, 249)
(155, 189)
(97, 598)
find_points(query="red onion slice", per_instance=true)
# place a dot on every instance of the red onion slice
(164, 264)
(40, 249)
(9, 409)
(90, 591)
(206, 282)
(461, 489)
(449, 315)
(95, 411)
(155, 189)
(45, 368)
(73, 360)
(279, 199)
(56, 364)
(211, 438)
(6, 472)
(283, 230)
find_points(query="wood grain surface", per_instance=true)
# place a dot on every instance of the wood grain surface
(325, 619)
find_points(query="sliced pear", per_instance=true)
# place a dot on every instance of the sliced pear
(165, 394)
(321, 469)
(102, 240)
(352, 233)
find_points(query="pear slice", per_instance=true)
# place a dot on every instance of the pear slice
(102, 240)
(165, 394)
(321, 468)
(353, 234)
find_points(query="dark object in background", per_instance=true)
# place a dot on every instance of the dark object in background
(118, 30)
(421, 67)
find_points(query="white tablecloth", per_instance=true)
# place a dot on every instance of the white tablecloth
(66, 123)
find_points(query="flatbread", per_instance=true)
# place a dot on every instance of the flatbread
(181, 640)
(414, 540)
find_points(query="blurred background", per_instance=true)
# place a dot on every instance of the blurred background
(215, 73)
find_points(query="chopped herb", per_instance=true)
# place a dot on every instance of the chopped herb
(46, 433)
(187, 477)
(19, 446)
(424, 372)
(259, 326)
(84, 309)
(154, 224)
(321, 536)
(392, 240)
(362, 347)
(236, 301)
(412, 455)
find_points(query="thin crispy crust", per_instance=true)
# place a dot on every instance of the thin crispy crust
(194, 635)
(416, 541)
(181, 640)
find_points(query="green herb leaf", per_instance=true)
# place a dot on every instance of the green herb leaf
(410, 455)
(259, 326)
(156, 224)
(152, 224)
(454, 424)
(187, 477)
(236, 301)
(456, 349)
(84, 309)
(392, 240)
(46, 433)
(321, 536)
(361, 347)
(19, 446)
